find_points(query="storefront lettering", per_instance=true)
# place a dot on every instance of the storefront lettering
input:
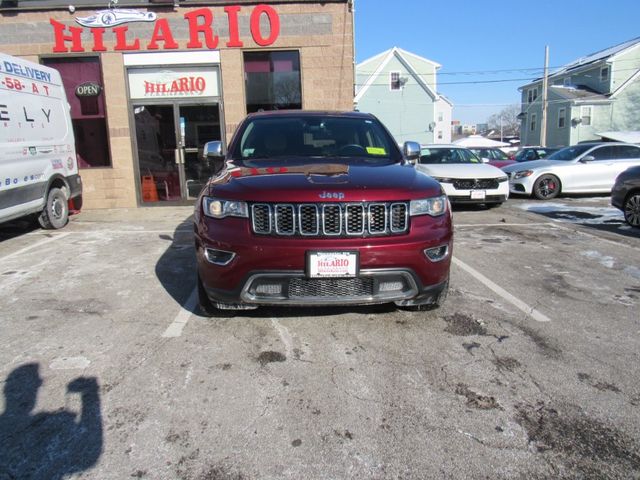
(201, 32)
(179, 85)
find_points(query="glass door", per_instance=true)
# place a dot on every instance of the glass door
(199, 124)
(170, 140)
(156, 140)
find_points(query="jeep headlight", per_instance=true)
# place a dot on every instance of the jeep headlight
(217, 208)
(434, 206)
(523, 173)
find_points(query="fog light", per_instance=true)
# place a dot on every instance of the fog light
(269, 289)
(437, 253)
(390, 286)
(218, 257)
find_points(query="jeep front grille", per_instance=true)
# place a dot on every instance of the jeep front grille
(330, 219)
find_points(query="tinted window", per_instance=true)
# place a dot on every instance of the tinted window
(447, 155)
(88, 114)
(314, 136)
(569, 153)
(499, 154)
(628, 151)
(605, 153)
(272, 81)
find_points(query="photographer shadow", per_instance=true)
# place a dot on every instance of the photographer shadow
(47, 445)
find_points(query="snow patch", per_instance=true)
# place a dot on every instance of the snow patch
(603, 260)
(567, 213)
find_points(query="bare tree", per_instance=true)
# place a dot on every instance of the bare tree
(506, 121)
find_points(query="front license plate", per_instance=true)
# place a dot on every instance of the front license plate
(478, 194)
(332, 264)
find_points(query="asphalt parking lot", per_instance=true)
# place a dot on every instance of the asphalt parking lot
(529, 371)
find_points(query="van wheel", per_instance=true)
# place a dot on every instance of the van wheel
(56, 212)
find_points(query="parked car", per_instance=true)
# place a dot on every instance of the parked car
(583, 168)
(527, 154)
(492, 156)
(626, 195)
(464, 177)
(315, 208)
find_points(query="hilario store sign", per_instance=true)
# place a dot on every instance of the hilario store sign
(175, 83)
(202, 33)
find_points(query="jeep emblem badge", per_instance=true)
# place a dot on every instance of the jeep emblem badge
(331, 195)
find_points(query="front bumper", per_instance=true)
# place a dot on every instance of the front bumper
(618, 195)
(521, 186)
(296, 289)
(269, 270)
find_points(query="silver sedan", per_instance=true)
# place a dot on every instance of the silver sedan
(583, 168)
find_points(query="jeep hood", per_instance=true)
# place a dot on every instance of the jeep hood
(323, 182)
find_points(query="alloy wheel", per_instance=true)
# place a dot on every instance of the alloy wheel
(546, 187)
(632, 210)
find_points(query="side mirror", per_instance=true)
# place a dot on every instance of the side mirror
(213, 156)
(411, 151)
(484, 159)
(587, 159)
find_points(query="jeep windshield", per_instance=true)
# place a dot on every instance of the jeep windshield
(298, 139)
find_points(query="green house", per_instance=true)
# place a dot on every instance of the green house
(594, 94)
(399, 88)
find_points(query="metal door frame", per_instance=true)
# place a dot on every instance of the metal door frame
(179, 155)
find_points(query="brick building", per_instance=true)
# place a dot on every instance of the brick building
(149, 81)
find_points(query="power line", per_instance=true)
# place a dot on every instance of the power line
(515, 70)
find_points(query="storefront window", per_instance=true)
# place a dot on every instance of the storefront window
(272, 80)
(87, 107)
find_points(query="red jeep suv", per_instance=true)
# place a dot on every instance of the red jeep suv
(319, 208)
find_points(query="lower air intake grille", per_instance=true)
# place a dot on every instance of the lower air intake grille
(330, 287)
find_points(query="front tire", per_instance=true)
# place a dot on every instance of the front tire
(546, 187)
(209, 308)
(632, 209)
(204, 302)
(436, 302)
(56, 211)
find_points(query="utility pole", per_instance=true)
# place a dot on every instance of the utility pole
(545, 82)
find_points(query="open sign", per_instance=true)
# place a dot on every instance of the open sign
(88, 89)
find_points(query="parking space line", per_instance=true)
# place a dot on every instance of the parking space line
(535, 314)
(118, 232)
(53, 238)
(545, 224)
(175, 329)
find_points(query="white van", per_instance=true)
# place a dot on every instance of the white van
(38, 166)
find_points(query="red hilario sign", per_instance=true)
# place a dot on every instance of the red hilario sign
(173, 83)
(201, 32)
